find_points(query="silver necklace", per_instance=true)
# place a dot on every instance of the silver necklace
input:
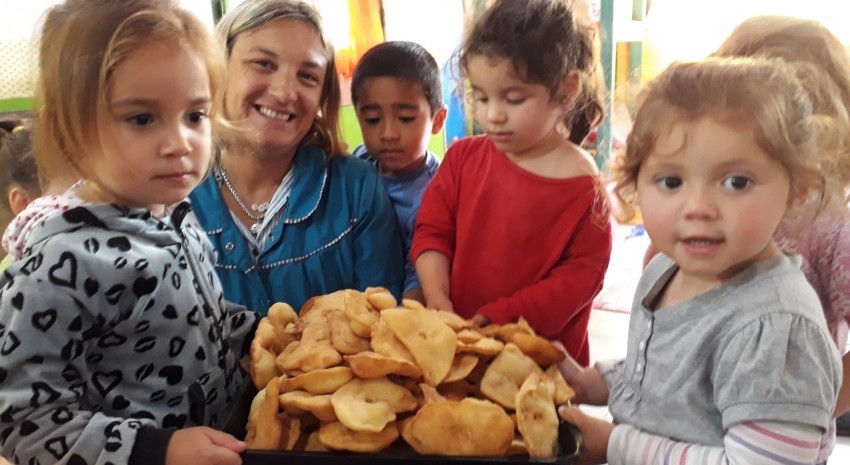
(261, 208)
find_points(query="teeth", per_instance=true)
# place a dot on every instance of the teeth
(702, 243)
(276, 115)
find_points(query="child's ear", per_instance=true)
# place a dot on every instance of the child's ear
(570, 87)
(439, 120)
(19, 198)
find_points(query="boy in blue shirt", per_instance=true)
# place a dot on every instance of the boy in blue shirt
(397, 97)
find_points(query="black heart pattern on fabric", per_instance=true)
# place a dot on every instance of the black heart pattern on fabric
(61, 416)
(173, 374)
(42, 394)
(91, 286)
(106, 382)
(119, 242)
(170, 312)
(43, 321)
(76, 324)
(12, 343)
(142, 286)
(120, 403)
(176, 346)
(64, 272)
(18, 301)
(57, 447)
(82, 215)
(192, 318)
(27, 428)
(200, 354)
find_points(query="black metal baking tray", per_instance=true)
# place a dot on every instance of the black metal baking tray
(569, 441)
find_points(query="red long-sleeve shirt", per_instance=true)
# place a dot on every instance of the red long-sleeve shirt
(519, 244)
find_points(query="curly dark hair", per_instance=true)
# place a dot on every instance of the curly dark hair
(544, 42)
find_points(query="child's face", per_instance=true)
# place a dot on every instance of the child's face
(396, 122)
(156, 144)
(711, 199)
(275, 77)
(519, 117)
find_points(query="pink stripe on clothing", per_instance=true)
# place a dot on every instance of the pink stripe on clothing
(684, 459)
(781, 437)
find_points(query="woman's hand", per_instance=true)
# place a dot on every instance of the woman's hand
(203, 446)
(595, 434)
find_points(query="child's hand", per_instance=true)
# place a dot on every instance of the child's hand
(439, 303)
(203, 446)
(587, 383)
(415, 294)
(595, 433)
(480, 320)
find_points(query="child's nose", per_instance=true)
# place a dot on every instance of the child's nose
(700, 204)
(177, 142)
(389, 131)
(495, 112)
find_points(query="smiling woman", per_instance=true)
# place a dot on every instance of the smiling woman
(290, 215)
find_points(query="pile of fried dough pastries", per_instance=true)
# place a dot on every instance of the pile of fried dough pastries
(354, 371)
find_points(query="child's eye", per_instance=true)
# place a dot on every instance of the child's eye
(478, 99)
(143, 119)
(515, 101)
(407, 119)
(371, 121)
(669, 182)
(737, 183)
(198, 116)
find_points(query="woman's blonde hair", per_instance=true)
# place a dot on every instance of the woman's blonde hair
(754, 94)
(821, 63)
(82, 42)
(324, 132)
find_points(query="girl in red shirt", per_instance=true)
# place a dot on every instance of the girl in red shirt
(515, 223)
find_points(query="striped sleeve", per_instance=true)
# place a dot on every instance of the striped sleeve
(751, 443)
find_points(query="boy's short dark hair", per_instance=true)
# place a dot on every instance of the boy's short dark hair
(403, 60)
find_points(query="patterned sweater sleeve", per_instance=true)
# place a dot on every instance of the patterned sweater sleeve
(45, 328)
(763, 443)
